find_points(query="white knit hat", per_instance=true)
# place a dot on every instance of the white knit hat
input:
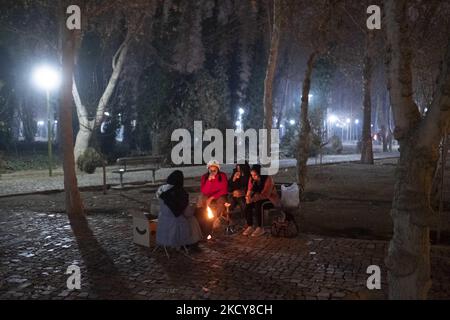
(213, 163)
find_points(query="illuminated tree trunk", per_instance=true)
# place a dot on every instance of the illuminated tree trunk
(305, 127)
(73, 202)
(82, 141)
(408, 259)
(366, 140)
(87, 126)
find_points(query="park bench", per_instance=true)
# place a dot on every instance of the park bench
(136, 164)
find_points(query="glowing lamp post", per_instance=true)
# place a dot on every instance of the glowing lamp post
(331, 121)
(47, 78)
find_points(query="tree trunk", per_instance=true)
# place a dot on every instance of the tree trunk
(82, 141)
(384, 122)
(305, 127)
(87, 127)
(271, 68)
(156, 150)
(366, 140)
(408, 259)
(73, 202)
(282, 109)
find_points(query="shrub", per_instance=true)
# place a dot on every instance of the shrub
(336, 145)
(315, 145)
(89, 161)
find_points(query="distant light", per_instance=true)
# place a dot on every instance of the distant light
(107, 113)
(426, 109)
(292, 122)
(56, 121)
(348, 120)
(238, 123)
(310, 96)
(46, 77)
(281, 125)
(371, 125)
(356, 121)
(40, 123)
(120, 114)
(241, 111)
(332, 118)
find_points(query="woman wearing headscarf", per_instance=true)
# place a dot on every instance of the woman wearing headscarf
(177, 225)
(261, 188)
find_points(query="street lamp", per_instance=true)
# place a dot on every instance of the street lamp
(47, 78)
(241, 111)
(332, 118)
(356, 128)
(292, 122)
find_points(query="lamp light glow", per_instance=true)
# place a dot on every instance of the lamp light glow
(46, 77)
(332, 118)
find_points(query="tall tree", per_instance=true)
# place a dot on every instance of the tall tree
(304, 139)
(366, 139)
(135, 15)
(408, 259)
(318, 35)
(272, 66)
(74, 205)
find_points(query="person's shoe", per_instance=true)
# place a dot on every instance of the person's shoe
(258, 232)
(248, 231)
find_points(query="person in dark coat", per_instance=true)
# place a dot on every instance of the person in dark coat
(177, 225)
(237, 186)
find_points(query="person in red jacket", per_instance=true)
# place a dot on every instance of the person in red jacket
(214, 189)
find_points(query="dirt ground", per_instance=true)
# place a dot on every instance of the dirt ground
(345, 200)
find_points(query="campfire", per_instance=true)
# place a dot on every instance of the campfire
(210, 213)
(210, 216)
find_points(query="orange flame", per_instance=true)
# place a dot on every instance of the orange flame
(210, 214)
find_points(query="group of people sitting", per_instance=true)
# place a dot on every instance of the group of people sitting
(246, 189)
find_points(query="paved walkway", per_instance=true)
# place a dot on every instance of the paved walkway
(37, 248)
(39, 181)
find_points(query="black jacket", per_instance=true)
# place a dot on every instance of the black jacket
(239, 184)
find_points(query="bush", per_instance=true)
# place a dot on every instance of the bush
(315, 147)
(336, 145)
(89, 161)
